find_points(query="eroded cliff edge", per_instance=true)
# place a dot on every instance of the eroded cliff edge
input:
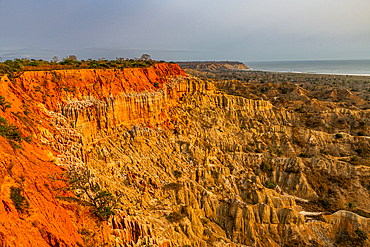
(194, 161)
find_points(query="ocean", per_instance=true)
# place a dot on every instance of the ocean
(337, 67)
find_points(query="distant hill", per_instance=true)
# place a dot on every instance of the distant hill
(213, 65)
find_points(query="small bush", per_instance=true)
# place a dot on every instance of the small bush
(359, 151)
(20, 202)
(304, 155)
(361, 234)
(86, 188)
(279, 152)
(28, 139)
(4, 104)
(270, 185)
(350, 205)
(10, 131)
(338, 136)
(360, 133)
(156, 84)
(177, 173)
(266, 167)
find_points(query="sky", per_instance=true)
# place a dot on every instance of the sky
(186, 30)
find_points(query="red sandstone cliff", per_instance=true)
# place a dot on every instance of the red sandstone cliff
(45, 220)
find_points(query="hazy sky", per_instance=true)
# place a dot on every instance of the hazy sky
(244, 30)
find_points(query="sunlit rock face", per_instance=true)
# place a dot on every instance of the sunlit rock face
(194, 162)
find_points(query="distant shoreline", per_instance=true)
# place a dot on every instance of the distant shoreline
(325, 67)
(298, 72)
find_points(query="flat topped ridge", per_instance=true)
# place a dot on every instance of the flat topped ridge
(213, 65)
(211, 62)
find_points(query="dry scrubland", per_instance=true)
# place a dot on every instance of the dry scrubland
(155, 157)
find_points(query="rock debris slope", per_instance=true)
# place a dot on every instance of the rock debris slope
(190, 162)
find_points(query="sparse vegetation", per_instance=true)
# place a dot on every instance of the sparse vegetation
(10, 131)
(304, 155)
(88, 191)
(14, 68)
(361, 234)
(279, 152)
(350, 206)
(270, 185)
(4, 104)
(11, 68)
(19, 201)
(266, 167)
(177, 173)
(360, 133)
(338, 136)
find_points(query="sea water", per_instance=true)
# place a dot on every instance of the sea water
(337, 67)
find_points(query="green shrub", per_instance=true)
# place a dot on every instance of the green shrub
(4, 104)
(28, 139)
(360, 133)
(20, 202)
(177, 173)
(279, 152)
(350, 205)
(359, 151)
(338, 136)
(270, 185)
(12, 68)
(10, 131)
(304, 155)
(266, 167)
(88, 191)
(361, 234)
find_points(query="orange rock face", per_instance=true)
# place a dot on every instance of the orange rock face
(53, 87)
(38, 220)
(34, 216)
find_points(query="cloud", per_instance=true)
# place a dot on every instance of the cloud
(186, 29)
